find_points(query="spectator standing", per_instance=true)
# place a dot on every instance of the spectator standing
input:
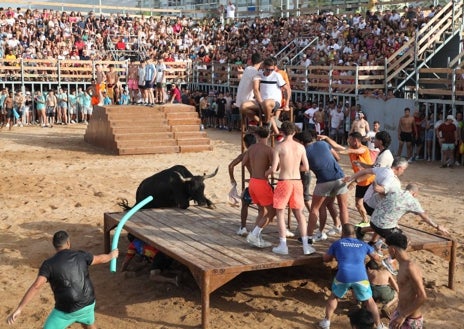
(62, 97)
(406, 133)
(245, 88)
(51, 103)
(230, 13)
(160, 69)
(132, 81)
(336, 119)
(150, 76)
(448, 135)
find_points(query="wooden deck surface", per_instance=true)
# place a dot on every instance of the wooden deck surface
(204, 240)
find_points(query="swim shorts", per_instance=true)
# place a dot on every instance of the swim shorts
(406, 137)
(61, 320)
(261, 192)
(361, 289)
(331, 188)
(246, 197)
(289, 191)
(410, 323)
(382, 293)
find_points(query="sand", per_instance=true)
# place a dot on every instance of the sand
(52, 180)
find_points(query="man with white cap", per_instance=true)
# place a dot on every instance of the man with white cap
(448, 136)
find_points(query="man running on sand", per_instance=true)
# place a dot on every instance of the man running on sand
(288, 155)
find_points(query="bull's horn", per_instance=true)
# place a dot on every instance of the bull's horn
(211, 175)
(182, 178)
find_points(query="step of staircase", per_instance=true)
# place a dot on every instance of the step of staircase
(170, 128)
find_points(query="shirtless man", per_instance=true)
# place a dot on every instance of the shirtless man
(112, 81)
(412, 294)
(248, 139)
(406, 133)
(288, 155)
(51, 104)
(361, 126)
(100, 79)
(132, 81)
(259, 159)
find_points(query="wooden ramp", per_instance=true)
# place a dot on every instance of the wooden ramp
(204, 240)
(136, 129)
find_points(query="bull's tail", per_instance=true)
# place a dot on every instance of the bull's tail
(124, 204)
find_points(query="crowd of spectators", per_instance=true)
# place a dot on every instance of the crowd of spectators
(364, 39)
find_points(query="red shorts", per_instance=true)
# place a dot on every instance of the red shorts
(261, 192)
(289, 192)
(132, 84)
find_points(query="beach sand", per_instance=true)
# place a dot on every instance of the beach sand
(52, 180)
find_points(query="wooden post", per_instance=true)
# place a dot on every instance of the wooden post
(452, 265)
(205, 287)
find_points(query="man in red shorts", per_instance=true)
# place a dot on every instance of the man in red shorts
(288, 155)
(259, 159)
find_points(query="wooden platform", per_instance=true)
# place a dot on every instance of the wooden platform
(204, 240)
(136, 129)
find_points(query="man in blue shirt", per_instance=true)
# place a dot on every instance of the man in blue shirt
(350, 254)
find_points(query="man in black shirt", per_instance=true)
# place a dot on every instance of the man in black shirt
(68, 274)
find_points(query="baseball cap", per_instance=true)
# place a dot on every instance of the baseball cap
(450, 117)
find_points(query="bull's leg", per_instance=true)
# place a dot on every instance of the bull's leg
(210, 204)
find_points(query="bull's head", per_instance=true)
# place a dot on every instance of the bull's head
(195, 187)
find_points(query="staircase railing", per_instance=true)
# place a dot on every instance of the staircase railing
(428, 40)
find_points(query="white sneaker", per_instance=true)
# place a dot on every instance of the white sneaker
(282, 250)
(257, 241)
(324, 324)
(289, 234)
(308, 250)
(320, 236)
(242, 231)
(334, 231)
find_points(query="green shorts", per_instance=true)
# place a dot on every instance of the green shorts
(61, 320)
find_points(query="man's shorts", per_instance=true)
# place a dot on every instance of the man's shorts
(148, 84)
(132, 84)
(409, 323)
(61, 320)
(261, 192)
(289, 191)
(361, 289)
(384, 232)
(160, 85)
(382, 293)
(276, 106)
(360, 191)
(406, 137)
(447, 146)
(306, 180)
(246, 197)
(331, 189)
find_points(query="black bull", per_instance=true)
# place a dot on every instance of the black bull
(173, 187)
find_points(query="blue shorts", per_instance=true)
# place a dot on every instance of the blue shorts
(61, 320)
(246, 197)
(362, 289)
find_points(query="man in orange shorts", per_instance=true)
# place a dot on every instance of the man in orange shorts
(259, 158)
(290, 157)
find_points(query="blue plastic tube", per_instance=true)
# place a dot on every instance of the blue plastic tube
(123, 221)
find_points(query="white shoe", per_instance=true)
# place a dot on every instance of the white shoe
(289, 234)
(320, 236)
(308, 250)
(257, 241)
(242, 231)
(325, 324)
(334, 231)
(282, 250)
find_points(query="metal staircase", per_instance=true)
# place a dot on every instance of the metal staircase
(290, 54)
(401, 67)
